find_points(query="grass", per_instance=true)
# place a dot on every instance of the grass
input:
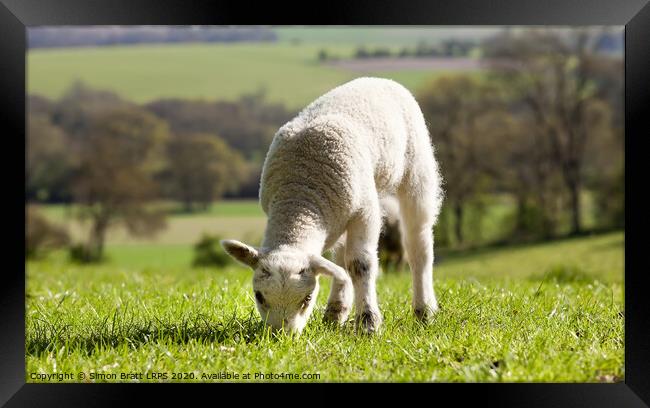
(227, 208)
(547, 312)
(598, 257)
(222, 208)
(290, 73)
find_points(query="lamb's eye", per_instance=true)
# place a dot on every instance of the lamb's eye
(306, 301)
(259, 297)
(302, 272)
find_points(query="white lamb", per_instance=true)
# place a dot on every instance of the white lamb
(324, 175)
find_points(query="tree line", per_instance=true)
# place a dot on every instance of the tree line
(44, 37)
(445, 48)
(113, 158)
(544, 128)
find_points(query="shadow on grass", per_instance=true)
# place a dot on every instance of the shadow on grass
(45, 337)
(563, 273)
(112, 332)
(618, 244)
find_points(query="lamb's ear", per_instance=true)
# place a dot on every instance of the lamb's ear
(241, 252)
(321, 265)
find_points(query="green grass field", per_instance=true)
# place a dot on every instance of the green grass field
(290, 73)
(214, 71)
(546, 312)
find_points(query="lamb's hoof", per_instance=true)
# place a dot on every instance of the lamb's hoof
(336, 313)
(368, 322)
(425, 314)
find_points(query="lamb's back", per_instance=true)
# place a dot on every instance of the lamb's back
(355, 134)
(378, 105)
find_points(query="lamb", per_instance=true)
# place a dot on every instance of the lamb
(322, 181)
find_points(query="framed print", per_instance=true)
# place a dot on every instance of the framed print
(429, 193)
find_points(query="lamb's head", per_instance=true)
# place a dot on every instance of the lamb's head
(285, 283)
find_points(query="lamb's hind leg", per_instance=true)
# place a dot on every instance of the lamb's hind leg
(339, 302)
(418, 216)
(363, 266)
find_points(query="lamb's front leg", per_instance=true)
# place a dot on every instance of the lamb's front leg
(363, 266)
(339, 302)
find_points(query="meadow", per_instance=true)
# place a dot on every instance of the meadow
(538, 312)
(289, 73)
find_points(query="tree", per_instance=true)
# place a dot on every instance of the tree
(247, 125)
(41, 236)
(79, 105)
(456, 109)
(553, 74)
(361, 52)
(526, 170)
(604, 174)
(201, 167)
(119, 154)
(49, 162)
(323, 55)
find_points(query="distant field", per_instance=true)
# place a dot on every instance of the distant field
(223, 208)
(211, 71)
(290, 73)
(238, 219)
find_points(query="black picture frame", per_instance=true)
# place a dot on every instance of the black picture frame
(16, 15)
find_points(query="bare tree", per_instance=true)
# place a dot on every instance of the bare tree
(553, 73)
